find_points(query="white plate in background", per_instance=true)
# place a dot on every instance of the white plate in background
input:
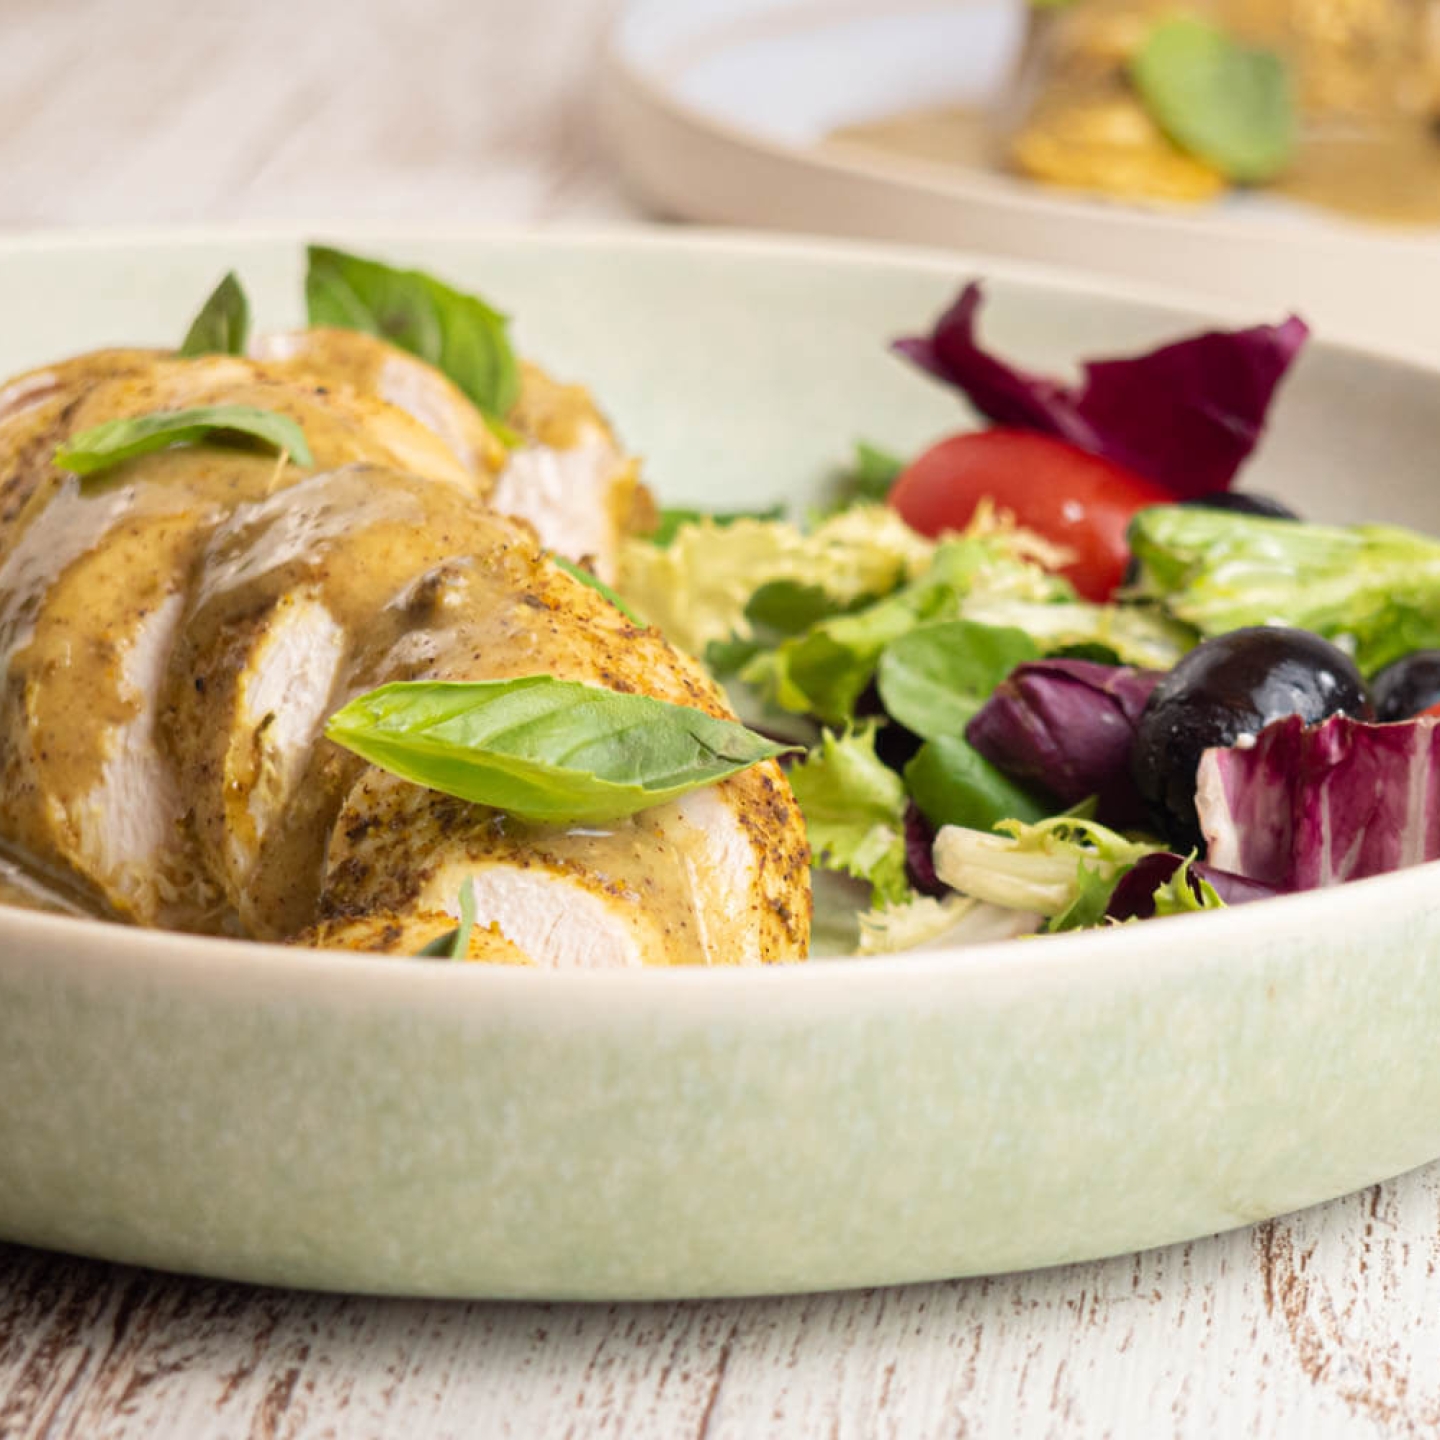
(717, 111)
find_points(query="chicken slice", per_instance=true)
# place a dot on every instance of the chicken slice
(666, 887)
(568, 477)
(415, 581)
(718, 876)
(571, 480)
(370, 366)
(293, 598)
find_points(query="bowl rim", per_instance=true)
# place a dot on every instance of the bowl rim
(1040, 960)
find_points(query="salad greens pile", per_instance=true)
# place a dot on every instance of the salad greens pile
(976, 721)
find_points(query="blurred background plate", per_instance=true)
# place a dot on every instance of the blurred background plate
(722, 111)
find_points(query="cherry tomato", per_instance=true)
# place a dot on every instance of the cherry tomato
(1068, 495)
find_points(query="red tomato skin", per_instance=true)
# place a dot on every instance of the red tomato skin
(1071, 497)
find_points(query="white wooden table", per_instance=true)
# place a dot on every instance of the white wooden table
(1326, 1323)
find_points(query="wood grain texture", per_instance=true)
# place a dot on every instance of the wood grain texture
(1318, 1324)
(423, 110)
(1322, 1324)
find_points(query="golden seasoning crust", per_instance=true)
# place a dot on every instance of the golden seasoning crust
(554, 413)
(408, 935)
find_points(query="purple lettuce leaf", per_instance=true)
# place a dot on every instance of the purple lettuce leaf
(1133, 897)
(1306, 806)
(920, 853)
(1185, 416)
(1067, 726)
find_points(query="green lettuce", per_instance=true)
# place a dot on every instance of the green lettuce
(1176, 896)
(1374, 589)
(854, 808)
(697, 589)
(1063, 868)
(935, 678)
(825, 670)
(924, 923)
(1139, 635)
(952, 783)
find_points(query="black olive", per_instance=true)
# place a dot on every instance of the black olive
(896, 745)
(1407, 686)
(1233, 685)
(1244, 502)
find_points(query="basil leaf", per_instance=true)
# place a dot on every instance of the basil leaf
(1221, 101)
(598, 586)
(953, 784)
(935, 678)
(459, 334)
(223, 325)
(107, 444)
(455, 944)
(545, 749)
(673, 520)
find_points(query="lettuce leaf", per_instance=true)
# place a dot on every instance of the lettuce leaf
(1063, 868)
(953, 784)
(933, 680)
(1307, 806)
(854, 809)
(697, 588)
(827, 669)
(1139, 635)
(925, 923)
(1185, 416)
(1374, 589)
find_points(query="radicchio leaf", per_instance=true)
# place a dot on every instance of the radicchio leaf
(919, 857)
(1185, 416)
(1068, 725)
(1307, 806)
(1133, 897)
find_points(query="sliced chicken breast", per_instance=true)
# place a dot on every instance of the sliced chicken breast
(175, 632)
(567, 476)
(92, 581)
(370, 366)
(423, 584)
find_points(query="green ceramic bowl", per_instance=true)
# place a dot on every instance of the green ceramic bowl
(345, 1122)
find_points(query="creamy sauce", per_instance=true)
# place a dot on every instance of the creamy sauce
(1392, 176)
